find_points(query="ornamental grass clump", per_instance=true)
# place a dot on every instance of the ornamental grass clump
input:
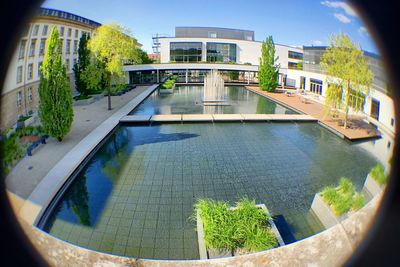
(168, 84)
(243, 228)
(343, 198)
(378, 174)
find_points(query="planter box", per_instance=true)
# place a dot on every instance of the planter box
(167, 91)
(84, 102)
(324, 213)
(25, 123)
(372, 187)
(212, 253)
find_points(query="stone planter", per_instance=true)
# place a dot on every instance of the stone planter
(25, 123)
(324, 213)
(84, 102)
(167, 91)
(212, 253)
(372, 187)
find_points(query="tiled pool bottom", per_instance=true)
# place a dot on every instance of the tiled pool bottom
(135, 196)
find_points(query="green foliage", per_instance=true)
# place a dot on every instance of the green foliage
(245, 227)
(300, 65)
(378, 174)
(81, 65)
(233, 75)
(23, 118)
(94, 76)
(268, 69)
(168, 84)
(347, 67)
(343, 197)
(358, 201)
(11, 151)
(29, 130)
(144, 58)
(333, 98)
(113, 46)
(81, 97)
(55, 109)
(329, 195)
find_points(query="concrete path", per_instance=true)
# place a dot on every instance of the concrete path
(28, 173)
(312, 106)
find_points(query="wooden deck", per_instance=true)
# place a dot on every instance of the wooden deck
(357, 129)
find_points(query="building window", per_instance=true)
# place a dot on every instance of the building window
(295, 55)
(75, 46)
(68, 47)
(67, 64)
(40, 68)
(19, 74)
(392, 122)
(30, 95)
(185, 51)
(375, 104)
(221, 52)
(69, 32)
(30, 71)
(316, 86)
(19, 99)
(61, 31)
(35, 30)
(75, 61)
(44, 30)
(293, 65)
(42, 47)
(61, 45)
(76, 33)
(21, 52)
(212, 35)
(25, 31)
(32, 48)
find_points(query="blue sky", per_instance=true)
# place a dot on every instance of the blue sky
(306, 22)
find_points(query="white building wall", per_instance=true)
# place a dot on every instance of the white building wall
(246, 51)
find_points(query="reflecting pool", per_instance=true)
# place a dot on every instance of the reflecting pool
(135, 196)
(188, 100)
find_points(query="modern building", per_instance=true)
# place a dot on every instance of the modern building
(20, 91)
(196, 50)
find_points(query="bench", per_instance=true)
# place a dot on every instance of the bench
(34, 145)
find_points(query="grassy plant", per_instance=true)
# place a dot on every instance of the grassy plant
(346, 186)
(358, 202)
(329, 195)
(342, 204)
(378, 174)
(245, 227)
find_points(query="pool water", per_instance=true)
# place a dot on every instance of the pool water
(135, 196)
(188, 100)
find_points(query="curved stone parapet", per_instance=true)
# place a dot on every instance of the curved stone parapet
(331, 247)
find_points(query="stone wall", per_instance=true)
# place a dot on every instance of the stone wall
(331, 247)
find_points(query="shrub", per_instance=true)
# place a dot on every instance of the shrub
(358, 202)
(378, 174)
(346, 186)
(329, 195)
(245, 227)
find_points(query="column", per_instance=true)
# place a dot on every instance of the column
(158, 76)
(186, 76)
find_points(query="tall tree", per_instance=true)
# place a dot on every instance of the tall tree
(268, 69)
(55, 108)
(347, 67)
(81, 65)
(144, 58)
(113, 45)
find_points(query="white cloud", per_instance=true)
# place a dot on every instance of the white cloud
(342, 18)
(342, 5)
(317, 42)
(363, 31)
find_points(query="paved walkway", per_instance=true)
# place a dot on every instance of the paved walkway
(25, 176)
(358, 129)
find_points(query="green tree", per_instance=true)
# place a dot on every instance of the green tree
(144, 58)
(94, 76)
(113, 45)
(81, 65)
(55, 108)
(268, 69)
(347, 67)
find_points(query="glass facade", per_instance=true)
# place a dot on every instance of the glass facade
(185, 52)
(221, 52)
(295, 55)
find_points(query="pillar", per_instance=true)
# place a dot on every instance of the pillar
(158, 76)
(186, 76)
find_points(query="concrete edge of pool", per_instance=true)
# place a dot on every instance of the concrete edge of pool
(331, 247)
(34, 207)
